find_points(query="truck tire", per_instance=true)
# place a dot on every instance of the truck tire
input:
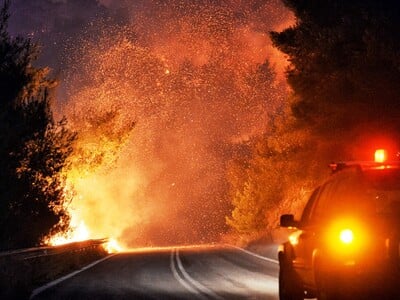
(289, 286)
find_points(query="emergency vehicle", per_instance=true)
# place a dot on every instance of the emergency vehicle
(346, 243)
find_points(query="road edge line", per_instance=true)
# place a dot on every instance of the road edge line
(53, 283)
(255, 254)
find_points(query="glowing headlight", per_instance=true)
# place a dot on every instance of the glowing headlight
(346, 236)
(294, 237)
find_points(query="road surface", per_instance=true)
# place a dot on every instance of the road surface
(175, 273)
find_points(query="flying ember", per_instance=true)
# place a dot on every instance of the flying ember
(160, 104)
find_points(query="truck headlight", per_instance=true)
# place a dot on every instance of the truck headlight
(346, 236)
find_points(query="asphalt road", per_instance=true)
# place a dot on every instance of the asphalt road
(175, 273)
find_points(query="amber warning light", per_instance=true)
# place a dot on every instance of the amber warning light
(346, 236)
(380, 155)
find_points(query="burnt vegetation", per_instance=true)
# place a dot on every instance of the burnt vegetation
(34, 146)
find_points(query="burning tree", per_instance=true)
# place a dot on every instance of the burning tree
(34, 147)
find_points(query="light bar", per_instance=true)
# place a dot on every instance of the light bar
(380, 155)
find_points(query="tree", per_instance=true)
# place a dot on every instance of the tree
(345, 68)
(274, 178)
(344, 72)
(34, 148)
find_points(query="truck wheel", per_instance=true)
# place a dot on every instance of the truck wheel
(289, 286)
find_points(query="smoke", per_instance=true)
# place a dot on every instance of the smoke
(161, 93)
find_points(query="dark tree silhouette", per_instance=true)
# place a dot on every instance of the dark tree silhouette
(34, 147)
(345, 73)
(345, 65)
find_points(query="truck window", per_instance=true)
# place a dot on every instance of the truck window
(305, 217)
(323, 202)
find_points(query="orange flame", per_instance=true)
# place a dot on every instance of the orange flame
(76, 233)
(171, 80)
(112, 246)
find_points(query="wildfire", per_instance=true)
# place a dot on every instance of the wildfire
(76, 234)
(204, 67)
(112, 246)
(81, 233)
(81, 227)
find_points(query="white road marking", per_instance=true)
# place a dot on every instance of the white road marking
(177, 276)
(59, 280)
(192, 285)
(197, 284)
(255, 254)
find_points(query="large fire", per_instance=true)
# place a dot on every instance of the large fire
(78, 231)
(160, 105)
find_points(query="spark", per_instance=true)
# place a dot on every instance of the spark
(194, 82)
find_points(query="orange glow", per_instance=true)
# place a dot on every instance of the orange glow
(78, 232)
(380, 156)
(294, 237)
(179, 72)
(112, 246)
(346, 236)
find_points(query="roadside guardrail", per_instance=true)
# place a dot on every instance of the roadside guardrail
(23, 270)
(30, 253)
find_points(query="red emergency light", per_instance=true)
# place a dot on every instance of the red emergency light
(380, 156)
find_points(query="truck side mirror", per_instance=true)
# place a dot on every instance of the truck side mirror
(288, 221)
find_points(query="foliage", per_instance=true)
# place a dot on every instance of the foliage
(344, 73)
(272, 179)
(345, 66)
(34, 148)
